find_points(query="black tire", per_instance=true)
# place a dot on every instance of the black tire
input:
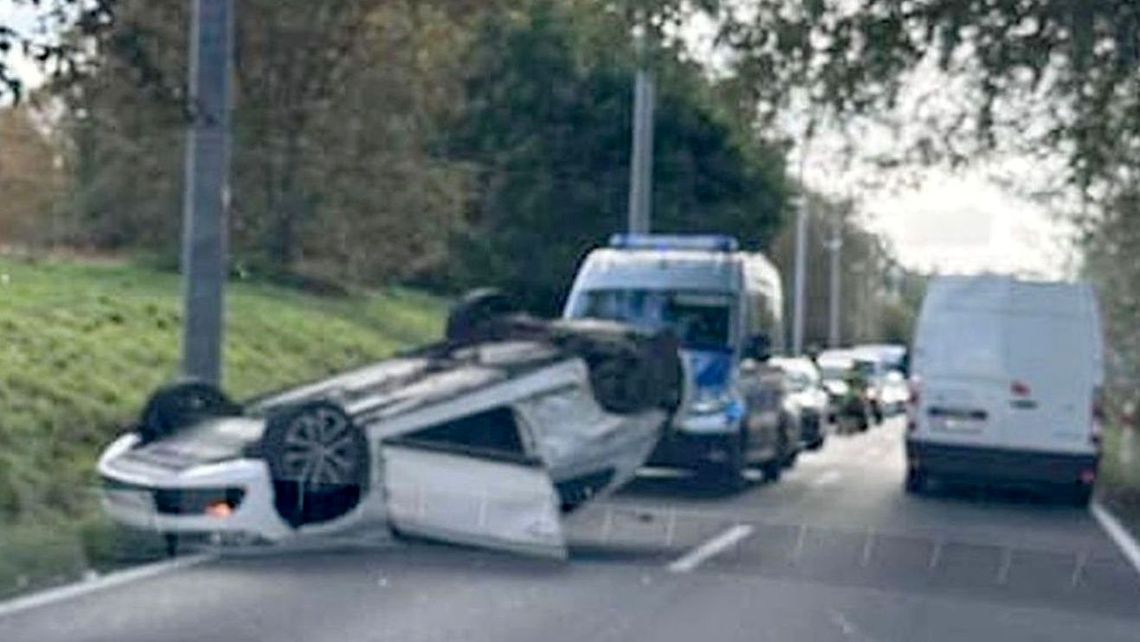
(172, 543)
(632, 373)
(772, 469)
(915, 481)
(318, 461)
(474, 312)
(182, 404)
(729, 476)
(877, 413)
(816, 444)
(1080, 496)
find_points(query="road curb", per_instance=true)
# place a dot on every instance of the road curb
(111, 580)
(1118, 534)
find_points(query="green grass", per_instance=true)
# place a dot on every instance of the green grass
(1119, 484)
(81, 346)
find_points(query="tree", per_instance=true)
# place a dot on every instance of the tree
(1054, 76)
(546, 132)
(30, 177)
(337, 106)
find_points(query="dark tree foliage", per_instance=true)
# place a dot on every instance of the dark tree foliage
(547, 132)
(1070, 68)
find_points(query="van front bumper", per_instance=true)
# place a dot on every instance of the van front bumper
(1001, 465)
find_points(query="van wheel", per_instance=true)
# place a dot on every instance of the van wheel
(915, 481)
(1080, 496)
(772, 469)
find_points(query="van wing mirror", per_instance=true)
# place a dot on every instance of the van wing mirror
(759, 347)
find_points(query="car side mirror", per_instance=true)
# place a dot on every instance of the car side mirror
(759, 347)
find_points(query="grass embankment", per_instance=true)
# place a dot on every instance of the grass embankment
(81, 345)
(1119, 484)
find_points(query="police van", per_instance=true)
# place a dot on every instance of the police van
(725, 306)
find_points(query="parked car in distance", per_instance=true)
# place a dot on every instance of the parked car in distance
(804, 386)
(883, 365)
(844, 378)
(725, 307)
(1008, 377)
(894, 392)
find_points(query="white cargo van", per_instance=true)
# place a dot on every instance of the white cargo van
(1006, 378)
(726, 308)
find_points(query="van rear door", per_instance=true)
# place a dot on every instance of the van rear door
(1049, 359)
(958, 358)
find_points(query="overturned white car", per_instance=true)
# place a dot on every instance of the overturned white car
(485, 439)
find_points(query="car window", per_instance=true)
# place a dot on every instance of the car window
(494, 430)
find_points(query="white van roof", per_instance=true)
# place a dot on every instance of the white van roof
(976, 297)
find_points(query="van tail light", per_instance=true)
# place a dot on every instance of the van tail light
(914, 395)
(1019, 389)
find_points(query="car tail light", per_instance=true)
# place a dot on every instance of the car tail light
(914, 391)
(1019, 389)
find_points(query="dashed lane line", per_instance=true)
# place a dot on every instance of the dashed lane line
(710, 549)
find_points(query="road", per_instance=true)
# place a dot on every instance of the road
(835, 551)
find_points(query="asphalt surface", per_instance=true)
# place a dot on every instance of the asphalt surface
(835, 551)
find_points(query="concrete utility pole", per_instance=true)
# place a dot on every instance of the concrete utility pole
(800, 274)
(641, 163)
(206, 196)
(835, 248)
(801, 244)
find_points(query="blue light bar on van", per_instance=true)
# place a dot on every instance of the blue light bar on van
(706, 242)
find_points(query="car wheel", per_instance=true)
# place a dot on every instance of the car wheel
(877, 414)
(915, 481)
(816, 443)
(178, 405)
(728, 475)
(772, 469)
(474, 311)
(318, 461)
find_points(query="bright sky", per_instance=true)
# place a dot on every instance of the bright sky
(950, 222)
(964, 223)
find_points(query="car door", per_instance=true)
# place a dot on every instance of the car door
(472, 481)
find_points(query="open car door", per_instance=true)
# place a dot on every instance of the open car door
(471, 495)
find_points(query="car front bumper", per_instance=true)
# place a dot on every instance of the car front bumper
(175, 501)
(1001, 466)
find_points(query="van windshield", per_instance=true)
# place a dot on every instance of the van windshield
(701, 320)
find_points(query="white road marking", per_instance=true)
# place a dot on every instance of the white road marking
(826, 479)
(1120, 535)
(710, 549)
(868, 549)
(72, 591)
(1006, 562)
(849, 630)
